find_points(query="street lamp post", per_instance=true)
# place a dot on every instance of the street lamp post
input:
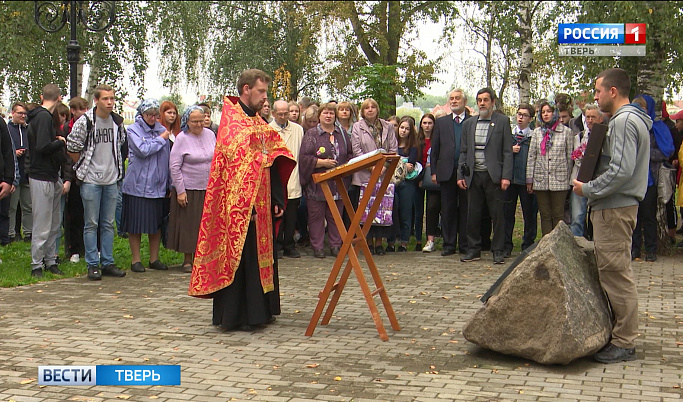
(96, 16)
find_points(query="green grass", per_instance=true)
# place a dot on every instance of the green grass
(15, 269)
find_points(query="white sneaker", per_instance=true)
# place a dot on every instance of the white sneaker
(429, 247)
(75, 258)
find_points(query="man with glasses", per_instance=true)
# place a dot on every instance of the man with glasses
(21, 197)
(292, 134)
(95, 144)
(521, 139)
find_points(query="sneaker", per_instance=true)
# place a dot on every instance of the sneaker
(37, 273)
(429, 247)
(27, 239)
(158, 265)
(55, 269)
(94, 273)
(650, 257)
(379, 250)
(615, 354)
(75, 258)
(390, 248)
(402, 249)
(113, 270)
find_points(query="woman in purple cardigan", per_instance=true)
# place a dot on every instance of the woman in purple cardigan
(190, 164)
(323, 147)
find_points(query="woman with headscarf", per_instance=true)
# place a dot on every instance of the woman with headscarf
(549, 166)
(661, 147)
(146, 183)
(190, 164)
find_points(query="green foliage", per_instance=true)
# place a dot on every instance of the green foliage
(379, 83)
(380, 29)
(264, 35)
(15, 269)
(664, 46)
(30, 58)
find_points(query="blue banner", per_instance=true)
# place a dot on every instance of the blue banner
(138, 375)
(590, 33)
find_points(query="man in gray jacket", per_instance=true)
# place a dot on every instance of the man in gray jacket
(620, 183)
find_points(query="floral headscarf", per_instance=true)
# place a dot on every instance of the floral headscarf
(146, 105)
(548, 128)
(186, 116)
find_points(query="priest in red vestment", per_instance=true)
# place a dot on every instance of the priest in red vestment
(245, 197)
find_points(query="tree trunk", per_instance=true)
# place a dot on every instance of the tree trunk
(93, 82)
(526, 36)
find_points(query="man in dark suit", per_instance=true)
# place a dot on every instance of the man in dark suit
(446, 140)
(485, 171)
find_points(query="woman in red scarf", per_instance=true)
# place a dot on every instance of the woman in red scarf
(549, 166)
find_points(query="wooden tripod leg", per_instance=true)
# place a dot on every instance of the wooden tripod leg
(371, 303)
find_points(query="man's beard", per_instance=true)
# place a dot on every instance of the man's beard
(485, 113)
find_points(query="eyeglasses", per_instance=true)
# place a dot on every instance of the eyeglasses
(20, 113)
(523, 115)
(156, 116)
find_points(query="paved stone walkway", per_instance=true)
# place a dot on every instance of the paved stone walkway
(148, 319)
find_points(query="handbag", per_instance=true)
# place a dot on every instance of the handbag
(384, 212)
(400, 172)
(427, 183)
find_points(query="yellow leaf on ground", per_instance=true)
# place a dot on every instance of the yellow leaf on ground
(30, 380)
(312, 365)
(337, 378)
(123, 396)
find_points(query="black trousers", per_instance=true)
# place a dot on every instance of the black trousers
(285, 237)
(646, 225)
(483, 191)
(529, 212)
(73, 222)
(4, 220)
(433, 213)
(453, 215)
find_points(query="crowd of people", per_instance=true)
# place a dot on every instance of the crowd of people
(461, 175)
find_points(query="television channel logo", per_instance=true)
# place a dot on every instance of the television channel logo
(602, 34)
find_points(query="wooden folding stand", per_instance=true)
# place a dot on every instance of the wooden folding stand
(354, 240)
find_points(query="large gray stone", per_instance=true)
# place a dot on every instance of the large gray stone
(550, 308)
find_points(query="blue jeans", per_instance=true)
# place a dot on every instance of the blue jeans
(99, 208)
(579, 208)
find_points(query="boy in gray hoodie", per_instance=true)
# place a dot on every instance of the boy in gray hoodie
(619, 183)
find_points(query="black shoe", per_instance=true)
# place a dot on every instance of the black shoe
(37, 273)
(112, 270)
(635, 255)
(292, 253)
(137, 267)
(158, 265)
(55, 270)
(390, 248)
(680, 231)
(471, 256)
(447, 251)
(615, 354)
(650, 257)
(507, 253)
(402, 249)
(498, 257)
(379, 250)
(245, 327)
(279, 254)
(680, 244)
(123, 235)
(319, 253)
(27, 239)
(334, 251)
(94, 273)
(418, 246)
(372, 250)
